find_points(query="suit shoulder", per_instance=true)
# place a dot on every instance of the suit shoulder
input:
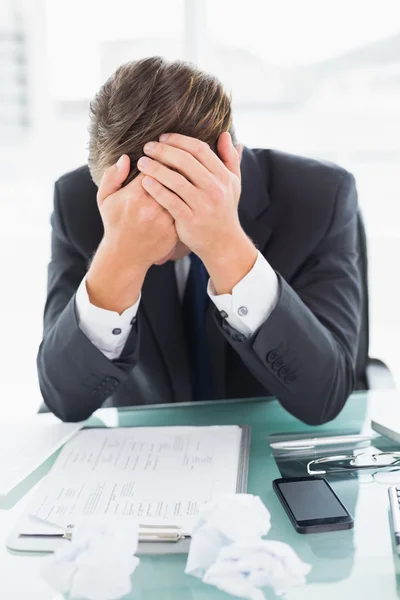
(310, 183)
(302, 167)
(76, 195)
(78, 180)
(76, 201)
(299, 186)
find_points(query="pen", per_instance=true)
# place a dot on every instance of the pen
(304, 444)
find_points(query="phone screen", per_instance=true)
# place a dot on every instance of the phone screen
(311, 499)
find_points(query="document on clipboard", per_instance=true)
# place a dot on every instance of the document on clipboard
(160, 475)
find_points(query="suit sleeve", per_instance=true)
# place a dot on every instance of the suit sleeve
(75, 377)
(304, 353)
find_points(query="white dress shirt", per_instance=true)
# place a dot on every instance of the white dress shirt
(252, 301)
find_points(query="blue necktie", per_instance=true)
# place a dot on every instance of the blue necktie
(194, 312)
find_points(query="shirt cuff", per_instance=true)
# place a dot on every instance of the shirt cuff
(252, 300)
(106, 329)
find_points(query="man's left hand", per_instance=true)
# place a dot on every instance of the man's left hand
(201, 192)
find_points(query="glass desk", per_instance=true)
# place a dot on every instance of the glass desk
(357, 563)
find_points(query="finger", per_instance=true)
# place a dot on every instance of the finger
(113, 178)
(176, 207)
(228, 153)
(181, 161)
(170, 179)
(200, 150)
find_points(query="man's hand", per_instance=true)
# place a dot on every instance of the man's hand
(201, 192)
(138, 232)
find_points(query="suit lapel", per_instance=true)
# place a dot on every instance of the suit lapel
(161, 304)
(254, 199)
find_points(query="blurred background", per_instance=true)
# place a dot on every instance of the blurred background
(309, 77)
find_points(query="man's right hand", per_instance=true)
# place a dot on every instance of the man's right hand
(138, 232)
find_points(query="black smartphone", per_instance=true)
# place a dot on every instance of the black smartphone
(312, 505)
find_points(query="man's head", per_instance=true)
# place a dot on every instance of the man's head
(148, 97)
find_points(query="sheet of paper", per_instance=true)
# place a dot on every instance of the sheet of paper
(162, 475)
(25, 446)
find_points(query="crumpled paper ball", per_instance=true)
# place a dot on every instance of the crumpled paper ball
(98, 562)
(244, 567)
(232, 518)
(227, 550)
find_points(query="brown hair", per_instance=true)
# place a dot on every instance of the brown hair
(148, 97)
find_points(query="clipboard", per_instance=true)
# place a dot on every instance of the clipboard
(20, 543)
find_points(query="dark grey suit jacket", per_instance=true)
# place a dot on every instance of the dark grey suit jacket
(301, 214)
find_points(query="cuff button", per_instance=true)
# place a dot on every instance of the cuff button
(242, 311)
(272, 356)
(284, 371)
(117, 331)
(223, 314)
(277, 364)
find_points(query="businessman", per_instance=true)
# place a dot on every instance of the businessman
(185, 267)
